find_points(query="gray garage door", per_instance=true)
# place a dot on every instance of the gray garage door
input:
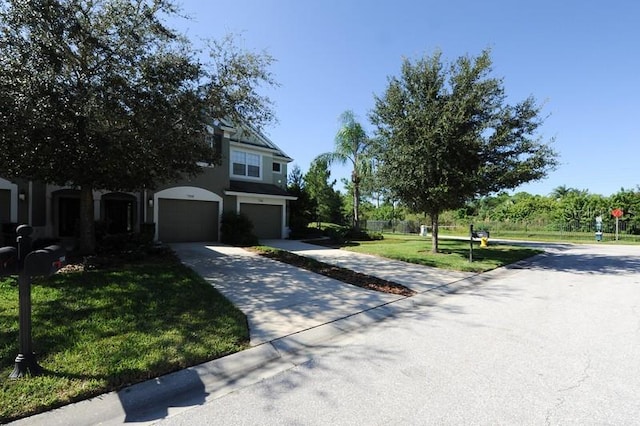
(267, 220)
(187, 220)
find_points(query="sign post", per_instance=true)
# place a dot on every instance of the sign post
(617, 213)
(471, 243)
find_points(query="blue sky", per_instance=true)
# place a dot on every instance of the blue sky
(580, 58)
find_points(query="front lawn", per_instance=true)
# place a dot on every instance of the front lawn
(453, 254)
(100, 330)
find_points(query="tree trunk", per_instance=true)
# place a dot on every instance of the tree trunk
(434, 233)
(355, 180)
(356, 206)
(87, 237)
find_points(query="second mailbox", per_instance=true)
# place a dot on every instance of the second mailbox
(8, 261)
(45, 262)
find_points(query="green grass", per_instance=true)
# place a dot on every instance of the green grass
(452, 254)
(101, 330)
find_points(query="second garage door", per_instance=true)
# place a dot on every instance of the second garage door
(187, 220)
(267, 219)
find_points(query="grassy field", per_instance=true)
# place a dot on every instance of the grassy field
(453, 254)
(101, 330)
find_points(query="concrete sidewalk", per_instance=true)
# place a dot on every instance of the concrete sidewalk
(416, 277)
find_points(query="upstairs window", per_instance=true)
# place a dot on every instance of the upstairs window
(277, 168)
(245, 164)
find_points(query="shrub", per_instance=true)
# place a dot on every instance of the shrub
(363, 235)
(236, 229)
(147, 231)
(337, 234)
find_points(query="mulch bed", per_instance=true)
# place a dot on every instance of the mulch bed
(341, 274)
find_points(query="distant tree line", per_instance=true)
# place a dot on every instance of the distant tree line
(565, 208)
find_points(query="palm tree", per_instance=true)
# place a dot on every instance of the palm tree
(563, 191)
(560, 192)
(352, 145)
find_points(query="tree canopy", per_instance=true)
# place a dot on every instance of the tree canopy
(104, 95)
(447, 134)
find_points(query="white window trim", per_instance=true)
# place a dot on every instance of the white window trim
(278, 163)
(261, 165)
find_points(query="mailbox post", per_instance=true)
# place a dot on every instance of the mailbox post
(25, 362)
(29, 264)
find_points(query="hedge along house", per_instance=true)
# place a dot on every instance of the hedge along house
(251, 180)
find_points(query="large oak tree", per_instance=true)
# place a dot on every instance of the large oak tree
(102, 94)
(447, 135)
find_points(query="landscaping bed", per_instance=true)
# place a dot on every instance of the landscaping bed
(335, 272)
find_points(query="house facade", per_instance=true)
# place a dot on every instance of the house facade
(251, 180)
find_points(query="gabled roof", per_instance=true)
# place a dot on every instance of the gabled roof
(237, 186)
(249, 135)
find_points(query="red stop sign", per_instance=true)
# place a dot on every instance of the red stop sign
(617, 212)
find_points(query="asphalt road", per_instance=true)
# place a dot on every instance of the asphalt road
(556, 342)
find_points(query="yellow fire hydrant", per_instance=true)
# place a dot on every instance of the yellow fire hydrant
(484, 242)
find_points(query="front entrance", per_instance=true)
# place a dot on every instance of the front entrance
(118, 216)
(5, 206)
(68, 216)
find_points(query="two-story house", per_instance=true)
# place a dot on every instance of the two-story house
(251, 180)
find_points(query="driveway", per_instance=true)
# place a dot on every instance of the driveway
(278, 299)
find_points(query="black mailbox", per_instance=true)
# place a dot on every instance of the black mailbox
(8, 261)
(45, 262)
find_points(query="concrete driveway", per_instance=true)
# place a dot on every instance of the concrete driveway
(277, 298)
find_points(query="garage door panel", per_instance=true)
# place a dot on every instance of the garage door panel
(187, 220)
(266, 219)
